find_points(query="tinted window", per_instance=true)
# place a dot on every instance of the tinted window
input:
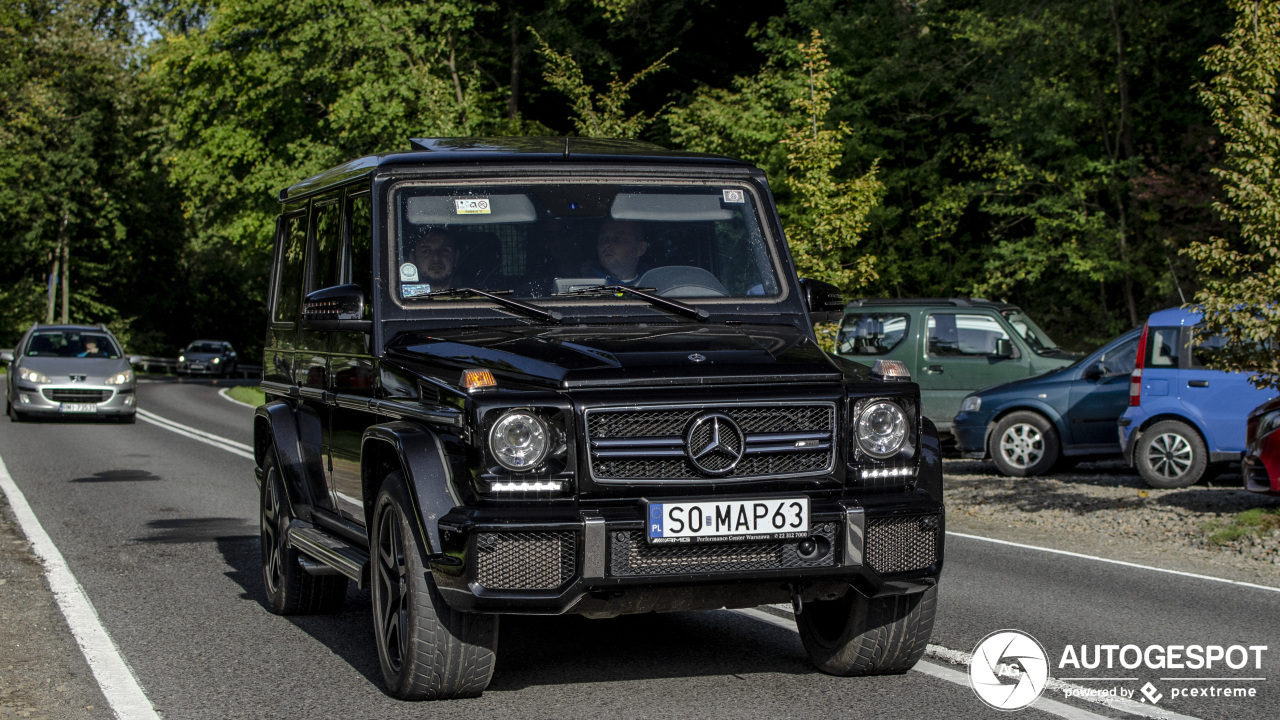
(964, 334)
(1202, 348)
(872, 333)
(1120, 360)
(71, 343)
(360, 230)
(289, 283)
(1163, 346)
(326, 247)
(537, 239)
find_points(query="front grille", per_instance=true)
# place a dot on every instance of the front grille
(629, 554)
(902, 543)
(525, 560)
(649, 444)
(76, 396)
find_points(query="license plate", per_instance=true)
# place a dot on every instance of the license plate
(78, 408)
(727, 520)
(197, 366)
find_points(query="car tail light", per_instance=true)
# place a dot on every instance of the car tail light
(1135, 377)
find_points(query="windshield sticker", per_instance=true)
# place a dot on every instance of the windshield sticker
(472, 206)
(413, 291)
(408, 272)
(734, 196)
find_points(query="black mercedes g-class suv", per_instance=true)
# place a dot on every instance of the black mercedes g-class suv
(549, 375)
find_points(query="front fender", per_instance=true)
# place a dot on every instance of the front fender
(930, 474)
(295, 440)
(1027, 405)
(418, 453)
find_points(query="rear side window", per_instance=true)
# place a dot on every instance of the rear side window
(964, 335)
(292, 253)
(872, 333)
(1163, 347)
(327, 247)
(360, 230)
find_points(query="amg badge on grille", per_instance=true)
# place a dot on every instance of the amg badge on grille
(714, 443)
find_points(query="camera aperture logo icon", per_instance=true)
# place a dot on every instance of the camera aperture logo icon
(1009, 670)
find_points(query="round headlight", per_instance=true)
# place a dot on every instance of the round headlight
(881, 429)
(519, 441)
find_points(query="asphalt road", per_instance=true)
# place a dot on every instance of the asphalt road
(161, 531)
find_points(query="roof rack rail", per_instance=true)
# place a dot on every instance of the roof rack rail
(956, 302)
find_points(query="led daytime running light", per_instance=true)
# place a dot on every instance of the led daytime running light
(871, 473)
(527, 486)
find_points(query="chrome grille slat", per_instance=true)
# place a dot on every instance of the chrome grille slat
(628, 444)
(630, 555)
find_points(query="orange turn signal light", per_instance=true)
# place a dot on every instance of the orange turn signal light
(476, 379)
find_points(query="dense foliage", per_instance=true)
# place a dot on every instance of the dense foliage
(1051, 153)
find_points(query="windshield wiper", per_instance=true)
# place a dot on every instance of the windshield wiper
(521, 307)
(672, 305)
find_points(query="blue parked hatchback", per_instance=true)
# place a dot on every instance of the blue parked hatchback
(1183, 416)
(1030, 426)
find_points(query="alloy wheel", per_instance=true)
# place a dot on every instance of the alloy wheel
(272, 534)
(1022, 445)
(1170, 455)
(391, 589)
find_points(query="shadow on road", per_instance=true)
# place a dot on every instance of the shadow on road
(560, 650)
(118, 476)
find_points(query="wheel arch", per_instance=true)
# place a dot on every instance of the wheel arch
(276, 431)
(1042, 409)
(416, 451)
(1138, 432)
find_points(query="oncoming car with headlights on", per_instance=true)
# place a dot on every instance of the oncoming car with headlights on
(69, 371)
(549, 375)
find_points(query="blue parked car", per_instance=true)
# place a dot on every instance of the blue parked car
(1183, 416)
(1030, 426)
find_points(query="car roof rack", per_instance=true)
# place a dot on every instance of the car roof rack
(955, 302)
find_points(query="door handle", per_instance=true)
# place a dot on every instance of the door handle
(933, 369)
(1197, 383)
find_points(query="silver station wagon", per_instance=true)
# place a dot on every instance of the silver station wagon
(69, 370)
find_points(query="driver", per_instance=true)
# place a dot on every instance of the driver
(436, 255)
(620, 247)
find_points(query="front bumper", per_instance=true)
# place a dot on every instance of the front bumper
(1262, 476)
(201, 369)
(89, 400)
(970, 431)
(596, 561)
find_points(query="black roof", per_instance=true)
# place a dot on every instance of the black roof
(507, 149)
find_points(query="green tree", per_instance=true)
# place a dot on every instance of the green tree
(1241, 294)
(597, 114)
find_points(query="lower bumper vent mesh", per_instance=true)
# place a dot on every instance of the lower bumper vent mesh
(903, 543)
(524, 561)
(629, 554)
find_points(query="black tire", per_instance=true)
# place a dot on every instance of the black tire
(856, 636)
(290, 589)
(1024, 444)
(427, 650)
(1171, 454)
(12, 412)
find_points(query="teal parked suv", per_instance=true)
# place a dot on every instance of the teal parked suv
(952, 346)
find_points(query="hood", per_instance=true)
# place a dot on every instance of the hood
(621, 356)
(1019, 386)
(59, 369)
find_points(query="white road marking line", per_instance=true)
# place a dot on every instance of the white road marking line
(1116, 562)
(118, 683)
(231, 446)
(956, 657)
(227, 396)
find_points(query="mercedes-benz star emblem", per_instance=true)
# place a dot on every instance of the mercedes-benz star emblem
(697, 357)
(714, 444)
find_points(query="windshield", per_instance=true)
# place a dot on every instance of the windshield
(71, 343)
(1038, 339)
(215, 348)
(538, 239)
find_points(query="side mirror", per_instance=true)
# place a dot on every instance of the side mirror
(6, 356)
(1094, 371)
(823, 301)
(335, 308)
(135, 359)
(1004, 348)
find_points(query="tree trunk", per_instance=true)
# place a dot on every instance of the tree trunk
(58, 255)
(66, 281)
(513, 100)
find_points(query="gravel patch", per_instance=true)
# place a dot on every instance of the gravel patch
(1105, 509)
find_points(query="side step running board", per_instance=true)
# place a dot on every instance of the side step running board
(331, 553)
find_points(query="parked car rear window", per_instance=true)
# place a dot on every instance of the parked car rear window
(71, 343)
(1163, 347)
(872, 333)
(958, 334)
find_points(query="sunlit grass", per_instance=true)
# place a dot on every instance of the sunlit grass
(1257, 521)
(249, 394)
